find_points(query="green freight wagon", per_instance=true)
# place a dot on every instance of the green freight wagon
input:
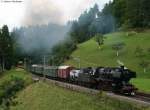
(39, 69)
(84, 77)
(51, 71)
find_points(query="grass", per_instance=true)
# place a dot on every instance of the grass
(142, 83)
(19, 73)
(41, 96)
(91, 55)
(10, 83)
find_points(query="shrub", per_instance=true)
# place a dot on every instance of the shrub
(8, 89)
(139, 52)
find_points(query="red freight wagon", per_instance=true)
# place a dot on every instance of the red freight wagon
(64, 71)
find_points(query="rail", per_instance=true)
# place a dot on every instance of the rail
(140, 98)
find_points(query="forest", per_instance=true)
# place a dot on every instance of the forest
(35, 41)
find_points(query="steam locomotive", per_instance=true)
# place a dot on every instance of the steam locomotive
(115, 79)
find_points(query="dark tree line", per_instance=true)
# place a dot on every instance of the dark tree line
(6, 48)
(89, 24)
(131, 13)
(33, 42)
(115, 14)
(92, 22)
(62, 51)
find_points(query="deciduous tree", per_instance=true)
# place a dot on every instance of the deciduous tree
(117, 47)
(99, 38)
(144, 64)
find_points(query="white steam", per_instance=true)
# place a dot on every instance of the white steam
(42, 12)
(56, 11)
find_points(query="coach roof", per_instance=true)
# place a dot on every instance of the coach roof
(63, 67)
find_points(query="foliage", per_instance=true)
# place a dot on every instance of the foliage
(133, 13)
(148, 50)
(115, 14)
(139, 51)
(12, 82)
(50, 97)
(142, 84)
(6, 48)
(89, 55)
(144, 64)
(131, 33)
(87, 26)
(92, 22)
(138, 13)
(43, 38)
(99, 38)
(62, 51)
(9, 89)
(118, 46)
(119, 11)
(130, 13)
(80, 29)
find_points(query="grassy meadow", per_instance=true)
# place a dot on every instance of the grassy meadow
(19, 73)
(42, 96)
(11, 82)
(91, 55)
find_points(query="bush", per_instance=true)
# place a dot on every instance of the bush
(62, 51)
(131, 33)
(8, 89)
(139, 52)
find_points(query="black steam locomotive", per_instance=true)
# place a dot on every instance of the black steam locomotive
(114, 79)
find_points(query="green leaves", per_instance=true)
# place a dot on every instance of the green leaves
(118, 46)
(6, 48)
(132, 13)
(139, 52)
(62, 51)
(144, 64)
(99, 38)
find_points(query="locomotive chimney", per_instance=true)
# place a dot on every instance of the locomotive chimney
(122, 67)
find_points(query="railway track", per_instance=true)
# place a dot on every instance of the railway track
(143, 96)
(139, 98)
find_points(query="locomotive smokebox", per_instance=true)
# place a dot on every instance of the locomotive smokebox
(122, 67)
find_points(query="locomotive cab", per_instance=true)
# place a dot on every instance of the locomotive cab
(115, 79)
(126, 76)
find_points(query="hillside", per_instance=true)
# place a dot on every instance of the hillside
(91, 55)
(41, 96)
(11, 82)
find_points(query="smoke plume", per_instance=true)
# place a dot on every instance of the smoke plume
(40, 39)
(40, 12)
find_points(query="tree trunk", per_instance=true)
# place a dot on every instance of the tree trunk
(99, 47)
(117, 53)
(25, 63)
(0, 64)
(144, 70)
(3, 64)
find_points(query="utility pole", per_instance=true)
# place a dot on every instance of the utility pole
(79, 61)
(3, 63)
(52, 60)
(44, 62)
(25, 63)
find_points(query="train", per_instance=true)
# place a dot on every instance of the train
(114, 79)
